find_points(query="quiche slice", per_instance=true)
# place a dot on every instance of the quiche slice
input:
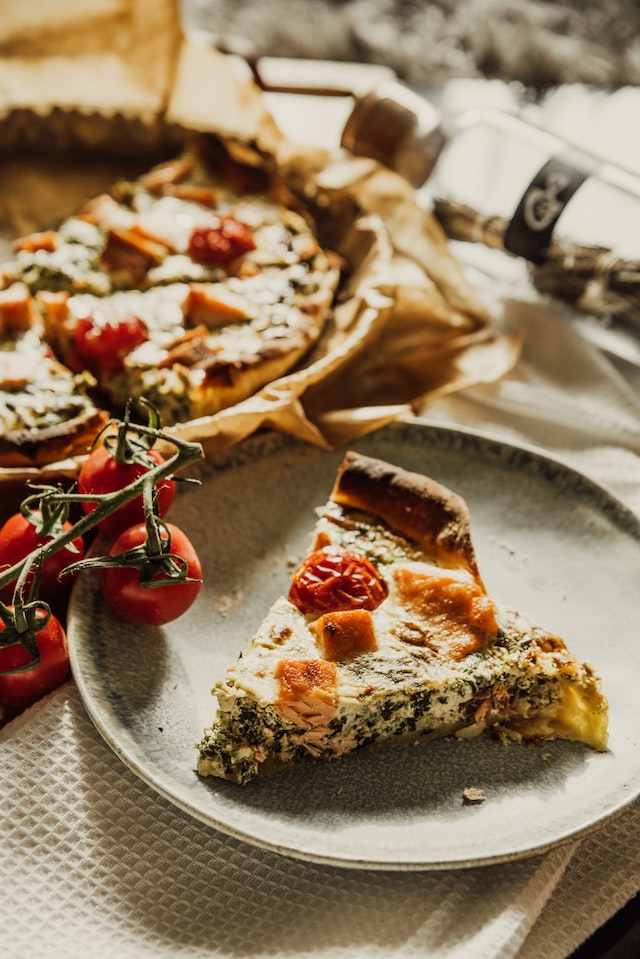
(388, 636)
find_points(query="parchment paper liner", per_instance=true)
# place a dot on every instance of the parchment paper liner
(410, 326)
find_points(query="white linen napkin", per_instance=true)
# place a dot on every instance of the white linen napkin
(94, 863)
(565, 397)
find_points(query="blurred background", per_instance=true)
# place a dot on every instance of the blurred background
(536, 43)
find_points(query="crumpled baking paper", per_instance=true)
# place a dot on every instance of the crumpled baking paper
(409, 325)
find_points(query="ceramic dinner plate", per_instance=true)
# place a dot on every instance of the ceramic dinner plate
(549, 542)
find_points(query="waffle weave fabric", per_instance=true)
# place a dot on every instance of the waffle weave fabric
(93, 862)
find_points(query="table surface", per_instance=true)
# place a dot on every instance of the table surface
(619, 938)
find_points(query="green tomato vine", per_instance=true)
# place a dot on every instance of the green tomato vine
(27, 614)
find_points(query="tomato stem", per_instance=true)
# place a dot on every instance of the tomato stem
(154, 539)
(28, 615)
(46, 515)
(185, 452)
(21, 621)
(156, 564)
(132, 445)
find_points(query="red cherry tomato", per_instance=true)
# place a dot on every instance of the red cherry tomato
(221, 242)
(101, 473)
(333, 579)
(101, 341)
(123, 591)
(19, 537)
(24, 688)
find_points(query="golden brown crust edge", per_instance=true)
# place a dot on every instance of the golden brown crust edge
(51, 444)
(417, 507)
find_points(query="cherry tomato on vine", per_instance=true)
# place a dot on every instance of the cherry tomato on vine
(26, 687)
(334, 578)
(155, 606)
(19, 537)
(102, 473)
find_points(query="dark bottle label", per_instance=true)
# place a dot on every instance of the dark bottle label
(531, 228)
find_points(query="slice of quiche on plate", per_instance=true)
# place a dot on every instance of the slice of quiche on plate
(388, 636)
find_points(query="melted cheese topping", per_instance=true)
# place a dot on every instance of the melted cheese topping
(446, 610)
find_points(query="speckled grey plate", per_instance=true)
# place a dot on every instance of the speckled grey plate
(549, 542)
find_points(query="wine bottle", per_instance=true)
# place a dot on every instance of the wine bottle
(491, 177)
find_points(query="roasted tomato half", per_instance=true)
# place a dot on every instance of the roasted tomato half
(101, 341)
(334, 578)
(220, 242)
